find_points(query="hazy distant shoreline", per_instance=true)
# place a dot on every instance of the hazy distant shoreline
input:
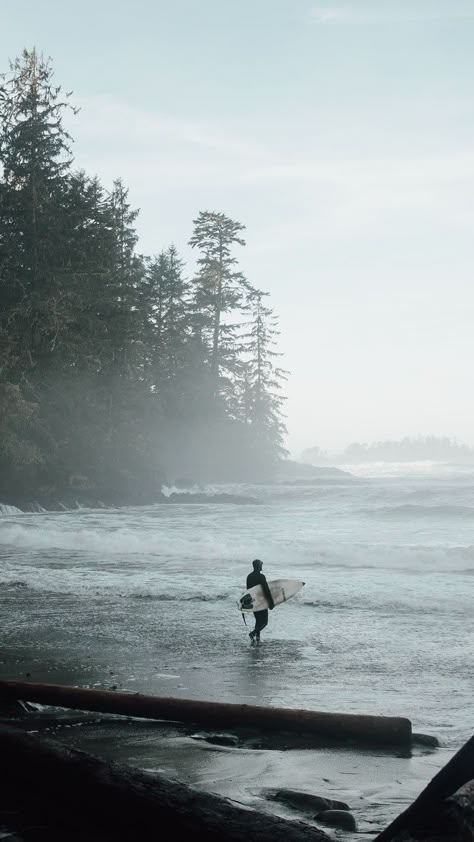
(178, 492)
(439, 449)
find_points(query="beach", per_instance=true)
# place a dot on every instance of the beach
(376, 782)
(144, 600)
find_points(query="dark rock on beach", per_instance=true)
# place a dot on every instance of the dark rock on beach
(337, 818)
(218, 739)
(451, 820)
(444, 810)
(425, 740)
(63, 500)
(60, 793)
(184, 497)
(304, 801)
(107, 499)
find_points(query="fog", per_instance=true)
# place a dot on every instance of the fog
(341, 136)
(236, 307)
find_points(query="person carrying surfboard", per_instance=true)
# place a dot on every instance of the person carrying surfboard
(256, 577)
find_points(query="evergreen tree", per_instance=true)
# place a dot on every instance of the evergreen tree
(113, 365)
(35, 306)
(35, 156)
(166, 296)
(124, 311)
(75, 392)
(220, 291)
(261, 397)
(19, 454)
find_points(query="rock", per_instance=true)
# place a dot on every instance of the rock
(66, 794)
(444, 810)
(337, 818)
(304, 801)
(288, 468)
(457, 816)
(452, 820)
(218, 739)
(188, 497)
(425, 740)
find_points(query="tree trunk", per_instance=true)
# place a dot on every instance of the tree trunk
(332, 726)
(435, 808)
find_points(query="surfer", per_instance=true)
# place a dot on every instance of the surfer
(261, 617)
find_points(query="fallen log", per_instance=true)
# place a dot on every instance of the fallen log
(452, 821)
(339, 726)
(68, 794)
(440, 803)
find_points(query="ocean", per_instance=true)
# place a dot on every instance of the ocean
(144, 599)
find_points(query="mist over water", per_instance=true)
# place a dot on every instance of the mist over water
(382, 626)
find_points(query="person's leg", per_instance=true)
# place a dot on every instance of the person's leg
(261, 620)
(254, 631)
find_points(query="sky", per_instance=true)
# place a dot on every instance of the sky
(342, 135)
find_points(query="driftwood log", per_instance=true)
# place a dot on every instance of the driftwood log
(59, 793)
(335, 726)
(445, 808)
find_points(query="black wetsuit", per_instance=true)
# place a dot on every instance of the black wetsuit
(261, 617)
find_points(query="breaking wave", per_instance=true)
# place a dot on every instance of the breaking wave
(413, 510)
(389, 607)
(6, 510)
(179, 597)
(412, 470)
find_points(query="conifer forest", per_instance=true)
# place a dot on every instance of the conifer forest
(119, 371)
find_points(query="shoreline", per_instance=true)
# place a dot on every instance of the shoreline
(376, 783)
(144, 602)
(39, 505)
(69, 497)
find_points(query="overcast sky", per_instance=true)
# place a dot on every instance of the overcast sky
(342, 135)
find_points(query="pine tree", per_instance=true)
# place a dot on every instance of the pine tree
(35, 308)
(35, 155)
(220, 291)
(166, 299)
(124, 312)
(112, 364)
(74, 393)
(261, 398)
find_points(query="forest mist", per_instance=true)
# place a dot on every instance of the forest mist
(118, 371)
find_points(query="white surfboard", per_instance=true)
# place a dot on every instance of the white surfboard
(281, 590)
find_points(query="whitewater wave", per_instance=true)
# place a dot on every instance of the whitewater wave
(159, 533)
(417, 469)
(180, 597)
(188, 571)
(415, 510)
(6, 510)
(13, 585)
(168, 490)
(148, 544)
(395, 556)
(145, 549)
(145, 594)
(389, 607)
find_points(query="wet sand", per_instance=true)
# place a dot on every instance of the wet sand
(377, 783)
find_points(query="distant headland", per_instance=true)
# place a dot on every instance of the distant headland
(408, 449)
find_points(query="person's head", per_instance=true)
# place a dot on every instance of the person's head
(257, 565)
